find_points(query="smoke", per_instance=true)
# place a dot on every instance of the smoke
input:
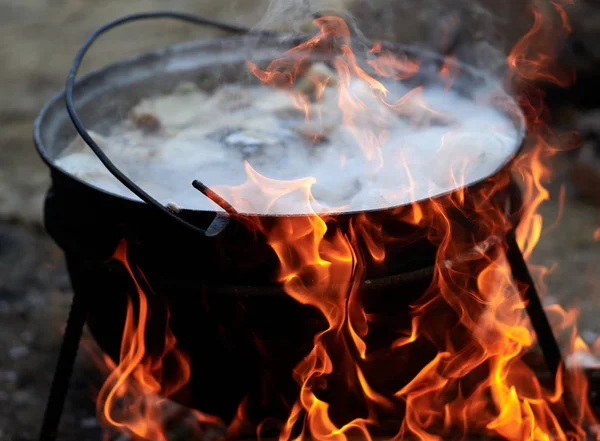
(479, 32)
(297, 15)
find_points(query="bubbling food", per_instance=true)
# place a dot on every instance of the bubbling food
(406, 146)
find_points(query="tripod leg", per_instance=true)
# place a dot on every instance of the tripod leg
(64, 369)
(535, 310)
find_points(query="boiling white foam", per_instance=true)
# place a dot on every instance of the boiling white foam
(435, 142)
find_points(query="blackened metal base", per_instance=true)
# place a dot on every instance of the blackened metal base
(77, 316)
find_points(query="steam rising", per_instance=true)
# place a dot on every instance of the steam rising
(477, 32)
(432, 143)
(297, 15)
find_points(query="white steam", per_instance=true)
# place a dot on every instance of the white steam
(479, 32)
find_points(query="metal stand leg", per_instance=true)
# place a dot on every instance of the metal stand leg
(64, 369)
(535, 310)
(548, 344)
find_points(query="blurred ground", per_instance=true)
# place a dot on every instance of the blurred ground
(39, 39)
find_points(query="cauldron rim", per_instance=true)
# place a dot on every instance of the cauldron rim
(47, 110)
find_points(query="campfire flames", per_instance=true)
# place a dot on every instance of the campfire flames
(478, 382)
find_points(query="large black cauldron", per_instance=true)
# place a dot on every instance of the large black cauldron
(243, 334)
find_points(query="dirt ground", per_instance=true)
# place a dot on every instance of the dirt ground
(38, 39)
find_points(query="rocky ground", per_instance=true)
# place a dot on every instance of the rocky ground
(38, 41)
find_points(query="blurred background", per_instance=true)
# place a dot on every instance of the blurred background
(38, 39)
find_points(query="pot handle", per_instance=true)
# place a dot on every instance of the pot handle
(221, 220)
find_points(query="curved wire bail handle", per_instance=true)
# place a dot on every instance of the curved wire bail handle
(221, 220)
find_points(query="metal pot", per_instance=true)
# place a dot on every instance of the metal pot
(221, 291)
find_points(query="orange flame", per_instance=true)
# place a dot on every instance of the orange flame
(472, 315)
(134, 399)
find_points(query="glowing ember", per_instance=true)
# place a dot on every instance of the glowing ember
(472, 313)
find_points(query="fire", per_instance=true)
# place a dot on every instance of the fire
(471, 318)
(134, 399)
